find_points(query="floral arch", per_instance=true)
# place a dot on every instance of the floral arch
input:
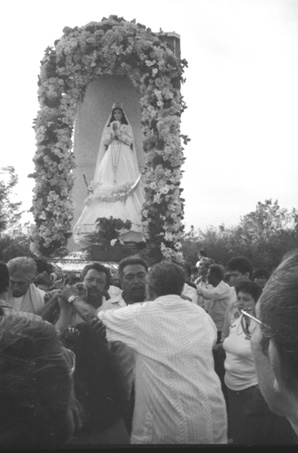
(118, 47)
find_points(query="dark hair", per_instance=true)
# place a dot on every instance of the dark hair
(203, 252)
(240, 264)
(4, 277)
(123, 119)
(259, 273)
(43, 265)
(217, 271)
(249, 287)
(279, 310)
(99, 268)
(166, 278)
(129, 261)
(35, 384)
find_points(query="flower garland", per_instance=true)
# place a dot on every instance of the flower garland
(118, 47)
(109, 192)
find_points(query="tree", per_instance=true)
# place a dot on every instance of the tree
(9, 211)
(267, 220)
(14, 236)
(263, 236)
(15, 243)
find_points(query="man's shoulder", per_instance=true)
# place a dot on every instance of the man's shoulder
(114, 303)
(114, 291)
(224, 285)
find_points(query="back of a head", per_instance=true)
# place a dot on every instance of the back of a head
(43, 265)
(166, 278)
(278, 310)
(217, 271)
(240, 264)
(35, 384)
(130, 261)
(23, 267)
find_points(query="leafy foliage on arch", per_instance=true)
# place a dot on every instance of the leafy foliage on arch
(112, 46)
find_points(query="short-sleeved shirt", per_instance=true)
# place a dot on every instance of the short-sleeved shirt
(178, 395)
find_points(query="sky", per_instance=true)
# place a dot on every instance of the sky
(241, 93)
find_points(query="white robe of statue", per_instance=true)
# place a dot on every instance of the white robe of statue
(116, 187)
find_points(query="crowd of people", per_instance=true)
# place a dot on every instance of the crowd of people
(167, 355)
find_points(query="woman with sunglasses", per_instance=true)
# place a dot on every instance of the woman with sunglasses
(250, 421)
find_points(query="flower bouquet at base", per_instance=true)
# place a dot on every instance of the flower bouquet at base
(108, 230)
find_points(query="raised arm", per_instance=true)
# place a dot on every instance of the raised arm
(212, 293)
(73, 300)
(49, 307)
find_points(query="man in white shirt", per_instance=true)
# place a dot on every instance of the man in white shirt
(203, 266)
(218, 296)
(237, 269)
(178, 396)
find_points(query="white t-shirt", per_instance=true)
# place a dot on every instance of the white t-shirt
(239, 363)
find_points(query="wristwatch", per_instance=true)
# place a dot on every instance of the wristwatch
(71, 299)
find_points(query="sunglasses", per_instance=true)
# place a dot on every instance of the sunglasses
(248, 323)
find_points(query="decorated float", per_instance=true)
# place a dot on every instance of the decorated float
(111, 47)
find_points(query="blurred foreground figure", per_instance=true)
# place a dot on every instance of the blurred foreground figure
(98, 387)
(275, 340)
(38, 408)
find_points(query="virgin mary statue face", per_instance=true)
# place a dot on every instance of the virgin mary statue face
(117, 115)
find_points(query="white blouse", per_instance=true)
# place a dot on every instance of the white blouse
(239, 363)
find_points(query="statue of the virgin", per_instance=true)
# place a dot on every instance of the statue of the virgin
(116, 187)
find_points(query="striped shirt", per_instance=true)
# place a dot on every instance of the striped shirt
(178, 396)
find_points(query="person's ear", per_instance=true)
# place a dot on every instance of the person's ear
(285, 380)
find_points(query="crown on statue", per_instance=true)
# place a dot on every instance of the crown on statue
(117, 104)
